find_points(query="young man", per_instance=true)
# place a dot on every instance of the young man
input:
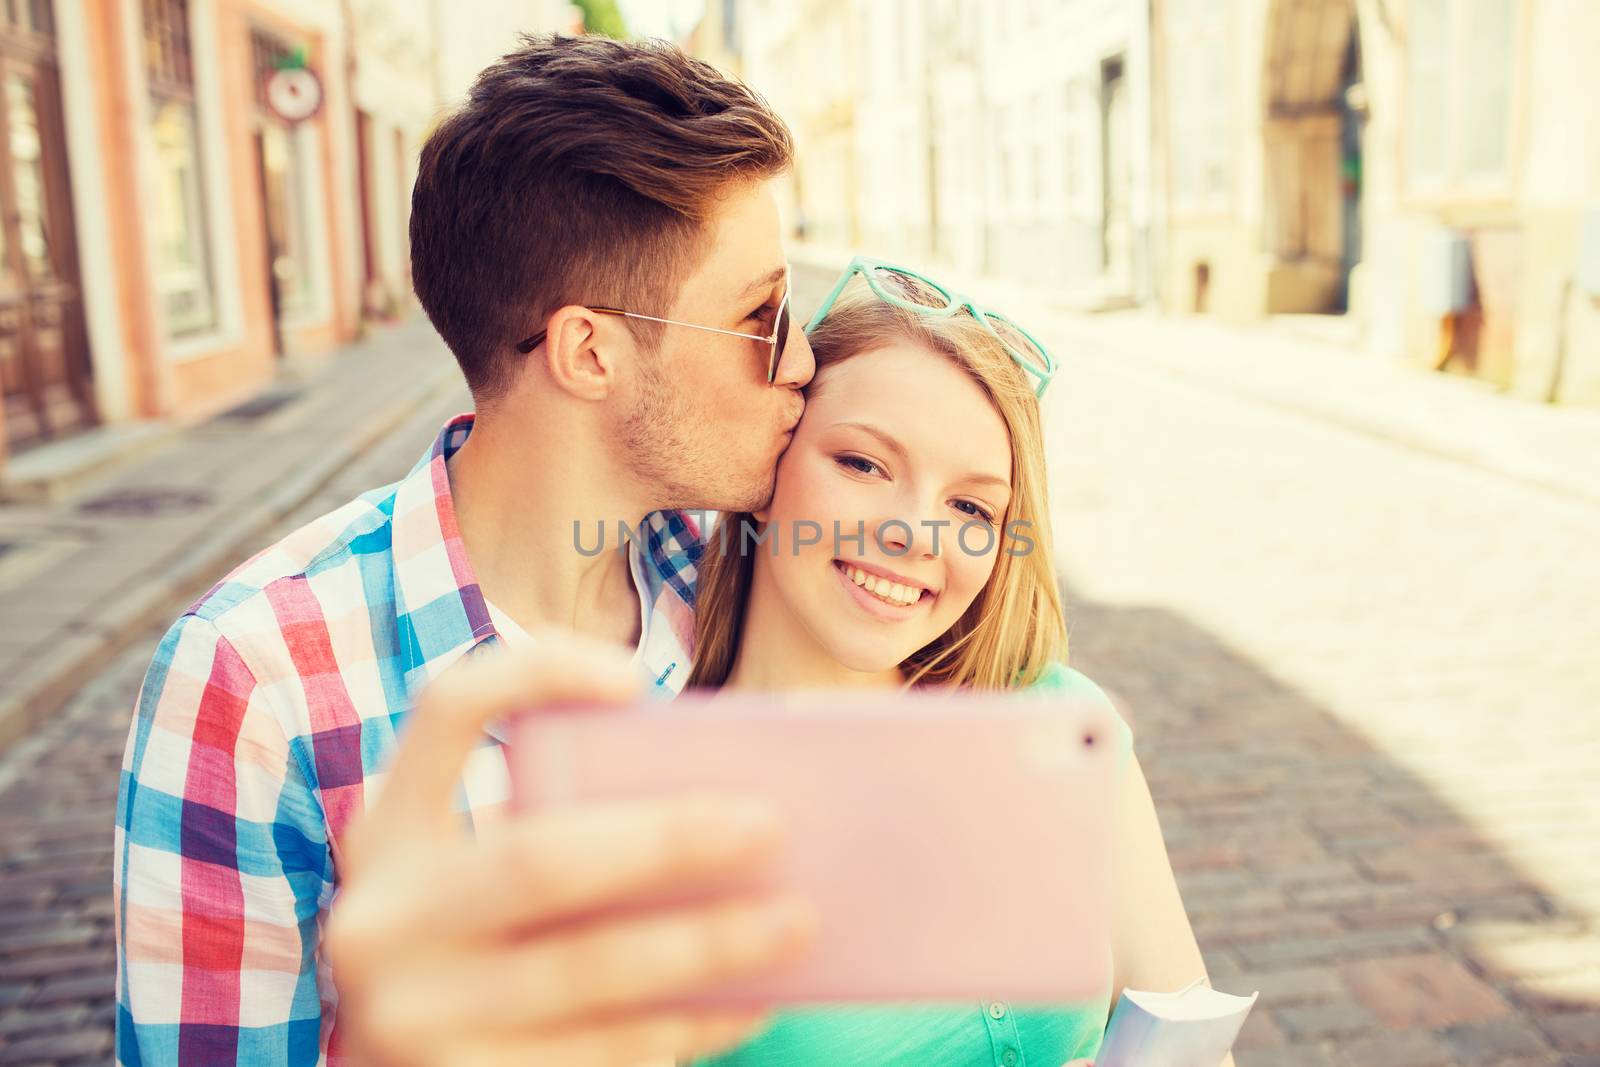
(595, 237)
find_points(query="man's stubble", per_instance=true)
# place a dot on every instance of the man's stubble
(689, 459)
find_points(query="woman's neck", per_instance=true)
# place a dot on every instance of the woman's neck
(776, 652)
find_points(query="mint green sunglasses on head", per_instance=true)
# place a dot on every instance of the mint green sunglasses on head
(904, 288)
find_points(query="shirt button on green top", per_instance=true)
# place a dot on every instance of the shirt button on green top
(1010, 1058)
(997, 1010)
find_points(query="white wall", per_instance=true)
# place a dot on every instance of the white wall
(471, 36)
(1562, 164)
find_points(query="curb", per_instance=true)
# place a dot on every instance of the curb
(49, 681)
(1410, 435)
(45, 474)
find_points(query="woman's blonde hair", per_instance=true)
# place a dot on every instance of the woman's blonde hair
(1015, 627)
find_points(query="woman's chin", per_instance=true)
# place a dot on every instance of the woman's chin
(868, 660)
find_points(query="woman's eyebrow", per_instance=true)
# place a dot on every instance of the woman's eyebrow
(887, 441)
(989, 479)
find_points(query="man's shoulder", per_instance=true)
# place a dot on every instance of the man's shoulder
(315, 552)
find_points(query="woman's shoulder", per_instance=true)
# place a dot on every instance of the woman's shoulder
(1057, 677)
(1059, 680)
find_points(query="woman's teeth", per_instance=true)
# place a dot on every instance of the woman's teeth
(883, 589)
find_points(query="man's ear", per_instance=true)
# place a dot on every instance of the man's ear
(580, 352)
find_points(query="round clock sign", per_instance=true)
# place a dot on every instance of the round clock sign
(294, 93)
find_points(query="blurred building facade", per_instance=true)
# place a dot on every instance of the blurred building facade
(715, 36)
(802, 56)
(469, 35)
(1427, 168)
(179, 220)
(1010, 137)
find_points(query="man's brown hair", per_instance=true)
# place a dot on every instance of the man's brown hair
(579, 171)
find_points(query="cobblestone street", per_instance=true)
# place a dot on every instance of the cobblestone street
(1363, 684)
(1364, 690)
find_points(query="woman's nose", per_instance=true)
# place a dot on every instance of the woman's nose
(909, 534)
(895, 536)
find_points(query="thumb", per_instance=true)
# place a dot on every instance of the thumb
(451, 712)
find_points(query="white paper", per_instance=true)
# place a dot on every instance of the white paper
(1194, 1027)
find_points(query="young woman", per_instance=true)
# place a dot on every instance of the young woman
(908, 543)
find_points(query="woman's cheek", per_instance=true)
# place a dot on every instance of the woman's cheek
(970, 568)
(804, 488)
(844, 513)
(791, 501)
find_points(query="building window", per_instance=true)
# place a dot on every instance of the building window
(28, 16)
(28, 175)
(1459, 62)
(184, 279)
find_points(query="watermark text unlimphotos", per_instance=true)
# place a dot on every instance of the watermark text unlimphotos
(893, 537)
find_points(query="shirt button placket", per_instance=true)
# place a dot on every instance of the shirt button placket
(1003, 1036)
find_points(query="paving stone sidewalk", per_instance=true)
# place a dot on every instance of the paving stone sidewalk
(1364, 689)
(77, 575)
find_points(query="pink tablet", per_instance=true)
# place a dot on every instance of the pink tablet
(956, 846)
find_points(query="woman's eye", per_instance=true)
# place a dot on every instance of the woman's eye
(859, 464)
(977, 511)
(762, 313)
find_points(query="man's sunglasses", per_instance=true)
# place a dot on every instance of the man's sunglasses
(775, 343)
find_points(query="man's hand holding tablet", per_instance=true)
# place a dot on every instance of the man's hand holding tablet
(461, 949)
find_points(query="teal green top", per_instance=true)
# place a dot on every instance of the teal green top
(937, 1035)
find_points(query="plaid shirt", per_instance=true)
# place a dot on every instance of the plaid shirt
(270, 711)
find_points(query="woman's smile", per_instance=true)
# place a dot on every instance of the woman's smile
(878, 596)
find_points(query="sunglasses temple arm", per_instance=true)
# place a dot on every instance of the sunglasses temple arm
(827, 303)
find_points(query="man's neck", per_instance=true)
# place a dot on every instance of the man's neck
(777, 652)
(517, 494)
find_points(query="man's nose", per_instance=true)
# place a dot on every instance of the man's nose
(797, 366)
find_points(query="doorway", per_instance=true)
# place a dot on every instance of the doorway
(281, 164)
(45, 372)
(1312, 151)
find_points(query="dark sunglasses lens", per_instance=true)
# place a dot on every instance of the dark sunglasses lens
(779, 344)
(1020, 343)
(911, 289)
